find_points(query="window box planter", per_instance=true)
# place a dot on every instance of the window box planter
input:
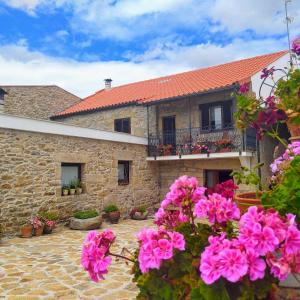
(245, 200)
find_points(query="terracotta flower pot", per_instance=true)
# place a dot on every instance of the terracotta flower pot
(39, 231)
(26, 231)
(245, 200)
(294, 131)
(114, 217)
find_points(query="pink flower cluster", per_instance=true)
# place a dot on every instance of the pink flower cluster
(50, 223)
(226, 189)
(169, 218)
(95, 253)
(217, 209)
(264, 238)
(296, 46)
(157, 245)
(184, 193)
(36, 222)
(292, 150)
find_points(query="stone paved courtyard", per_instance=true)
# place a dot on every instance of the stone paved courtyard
(48, 267)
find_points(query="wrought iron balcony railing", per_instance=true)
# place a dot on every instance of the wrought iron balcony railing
(199, 140)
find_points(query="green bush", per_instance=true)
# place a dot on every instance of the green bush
(111, 208)
(49, 215)
(285, 197)
(86, 214)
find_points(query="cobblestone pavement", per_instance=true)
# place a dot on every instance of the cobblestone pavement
(48, 267)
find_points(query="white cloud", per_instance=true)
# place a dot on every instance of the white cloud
(21, 66)
(264, 17)
(27, 5)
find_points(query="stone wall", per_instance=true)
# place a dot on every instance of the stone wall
(104, 120)
(170, 170)
(30, 175)
(37, 102)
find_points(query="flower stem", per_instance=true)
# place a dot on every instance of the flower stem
(121, 256)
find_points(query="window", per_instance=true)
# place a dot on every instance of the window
(2, 93)
(216, 116)
(69, 172)
(123, 125)
(123, 172)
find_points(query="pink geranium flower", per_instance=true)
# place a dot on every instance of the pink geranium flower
(156, 246)
(256, 264)
(233, 264)
(292, 242)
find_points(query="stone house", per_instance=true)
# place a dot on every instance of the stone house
(182, 113)
(126, 144)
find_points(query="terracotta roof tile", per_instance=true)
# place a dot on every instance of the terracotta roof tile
(186, 83)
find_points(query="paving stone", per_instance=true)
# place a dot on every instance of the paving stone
(48, 267)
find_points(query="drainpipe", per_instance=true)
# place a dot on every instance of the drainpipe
(190, 125)
(148, 135)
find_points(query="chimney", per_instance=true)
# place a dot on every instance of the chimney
(107, 83)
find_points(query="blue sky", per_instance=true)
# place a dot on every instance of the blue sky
(76, 44)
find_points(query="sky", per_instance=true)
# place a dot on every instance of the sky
(76, 44)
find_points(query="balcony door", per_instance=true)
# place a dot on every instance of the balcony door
(169, 130)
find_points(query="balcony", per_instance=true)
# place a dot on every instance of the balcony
(201, 143)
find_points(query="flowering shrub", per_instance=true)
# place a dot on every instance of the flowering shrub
(185, 258)
(36, 222)
(264, 239)
(226, 189)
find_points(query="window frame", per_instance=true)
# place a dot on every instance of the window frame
(122, 125)
(79, 165)
(2, 93)
(126, 164)
(208, 107)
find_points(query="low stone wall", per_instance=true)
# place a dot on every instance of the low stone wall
(30, 175)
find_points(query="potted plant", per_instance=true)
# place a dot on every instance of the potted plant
(38, 226)
(26, 230)
(139, 213)
(85, 220)
(224, 145)
(78, 187)
(49, 218)
(165, 150)
(113, 213)
(249, 177)
(72, 187)
(65, 190)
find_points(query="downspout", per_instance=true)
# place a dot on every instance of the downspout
(190, 125)
(148, 131)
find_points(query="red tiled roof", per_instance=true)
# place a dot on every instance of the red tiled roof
(182, 84)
